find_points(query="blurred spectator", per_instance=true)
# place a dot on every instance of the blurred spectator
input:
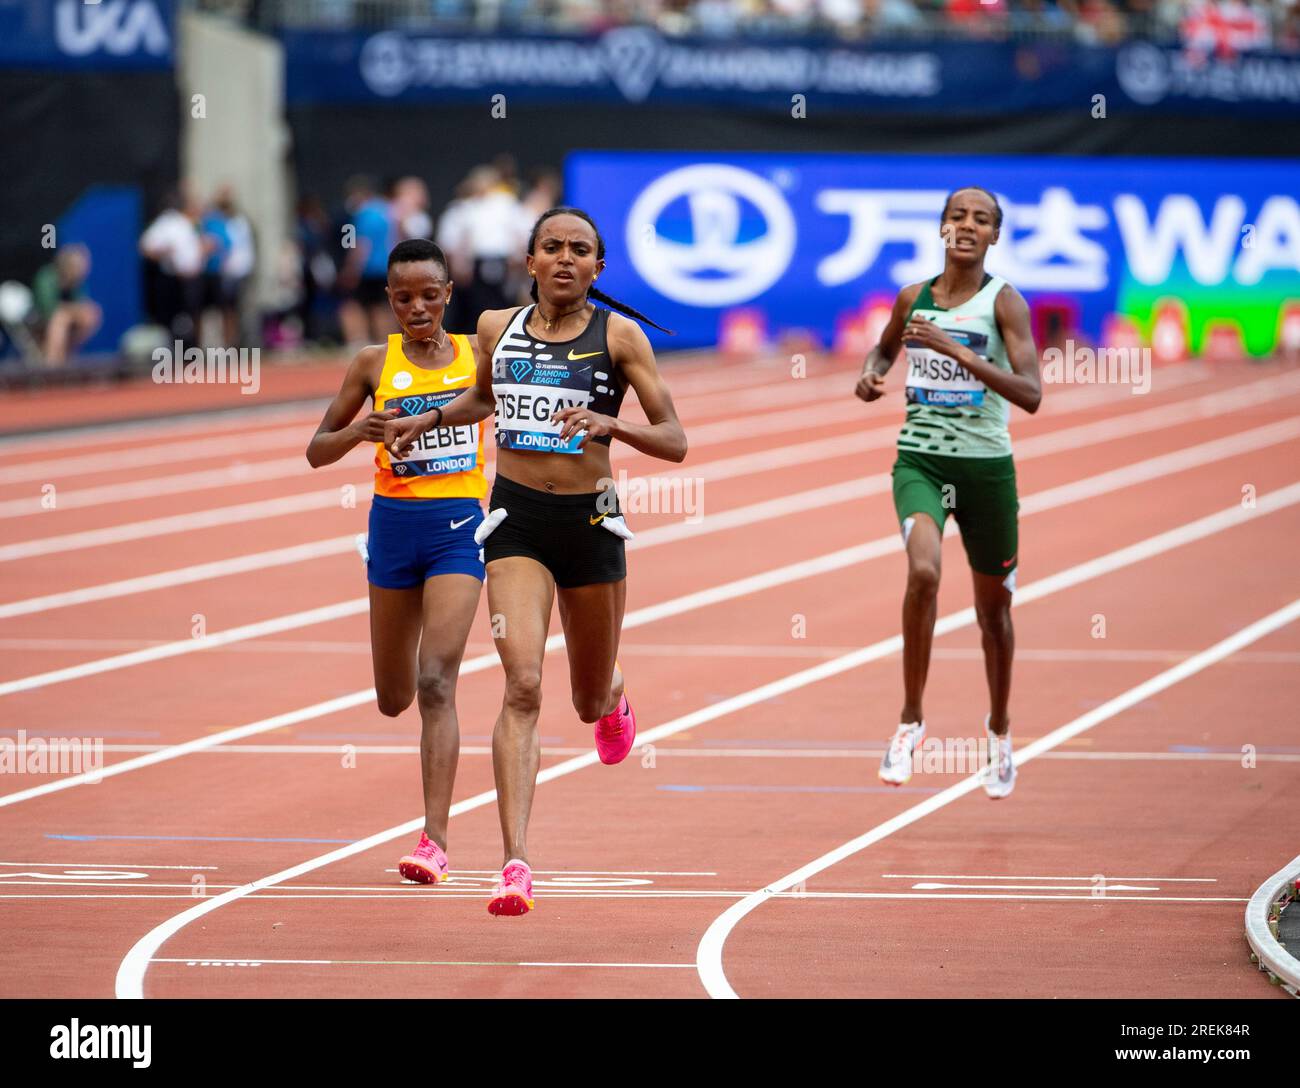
(1224, 28)
(228, 242)
(1094, 21)
(366, 234)
(411, 209)
(488, 232)
(315, 303)
(449, 235)
(173, 251)
(62, 306)
(543, 193)
(1288, 31)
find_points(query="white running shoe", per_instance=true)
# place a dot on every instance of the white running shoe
(896, 763)
(999, 774)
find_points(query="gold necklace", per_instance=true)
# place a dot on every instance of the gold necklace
(550, 322)
(438, 344)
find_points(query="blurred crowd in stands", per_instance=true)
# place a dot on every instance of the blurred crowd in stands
(198, 261)
(326, 284)
(1223, 24)
(332, 280)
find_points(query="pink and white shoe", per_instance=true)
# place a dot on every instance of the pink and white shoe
(427, 864)
(514, 893)
(616, 733)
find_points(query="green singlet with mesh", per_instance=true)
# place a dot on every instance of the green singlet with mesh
(950, 412)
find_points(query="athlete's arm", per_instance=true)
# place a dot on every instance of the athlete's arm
(1021, 385)
(663, 436)
(871, 382)
(339, 431)
(472, 405)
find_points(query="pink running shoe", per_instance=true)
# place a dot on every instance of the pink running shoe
(616, 733)
(514, 894)
(427, 865)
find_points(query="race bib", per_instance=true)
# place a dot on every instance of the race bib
(938, 379)
(439, 450)
(526, 404)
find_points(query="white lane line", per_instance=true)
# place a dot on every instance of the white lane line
(101, 864)
(185, 427)
(1021, 876)
(1156, 467)
(723, 469)
(54, 471)
(781, 421)
(198, 572)
(198, 744)
(131, 971)
(239, 514)
(780, 576)
(669, 649)
(836, 494)
(708, 955)
(219, 961)
(279, 468)
(274, 437)
(869, 752)
(1097, 889)
(248, 472)
(324, 614)
(1264, 391)
(424, 898)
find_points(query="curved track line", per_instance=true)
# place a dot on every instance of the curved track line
(130, 974)
(708, 955)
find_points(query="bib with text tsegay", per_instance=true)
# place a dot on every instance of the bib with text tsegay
(446, 462)
(532, 380)
(949, 410)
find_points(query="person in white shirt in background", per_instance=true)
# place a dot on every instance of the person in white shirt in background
(231, 257)
(486, 231)
(410, 203)
(173, 242)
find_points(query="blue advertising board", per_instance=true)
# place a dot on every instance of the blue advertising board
(807, 239)
(121, 35)
(638, 64)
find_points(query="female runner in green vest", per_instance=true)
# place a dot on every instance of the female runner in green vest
(970, 355)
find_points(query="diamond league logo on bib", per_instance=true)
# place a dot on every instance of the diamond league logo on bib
(711, 235)
(521, 368)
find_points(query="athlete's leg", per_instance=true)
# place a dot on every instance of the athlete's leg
(993, 609)
(450, 601)
(987, 513)
(920, 604)
(520, 594)
(593, 621)
(396, 616)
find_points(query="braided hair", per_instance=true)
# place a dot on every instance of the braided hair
(593, 292)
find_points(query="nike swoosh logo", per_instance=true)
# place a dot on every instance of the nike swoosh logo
(447, 381)
(597, 521)
(458, 524)
(968, 317)
(1008, 562)
(585, 355)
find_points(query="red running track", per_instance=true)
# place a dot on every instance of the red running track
(1119, 867)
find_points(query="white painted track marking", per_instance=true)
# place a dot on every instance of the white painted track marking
(1091, 487)
(130, 975)
(709, 953)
